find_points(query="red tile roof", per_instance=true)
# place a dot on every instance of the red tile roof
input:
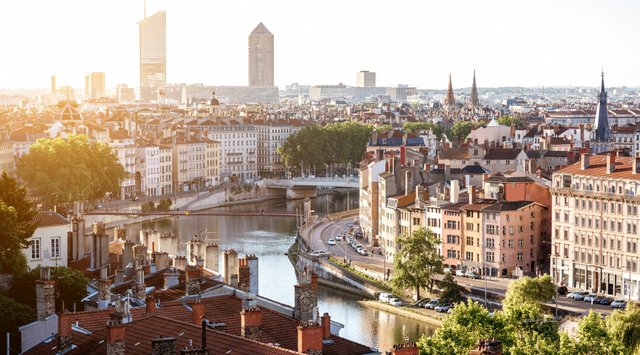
(49, 218)
(598, 167)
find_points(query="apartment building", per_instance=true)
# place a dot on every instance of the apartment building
(238, 148)
(368, 196)
(269, 137)
(123, 146)
(595, 225)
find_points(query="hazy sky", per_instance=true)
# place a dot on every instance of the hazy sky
(417, 42)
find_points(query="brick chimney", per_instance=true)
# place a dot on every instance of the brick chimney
(310, 338)
(116, 335)
(251, 323)
(472, 194)
(211, 257)
(171, 278)
(45, 294)
(197, 312)
(405, 349)
(634, 165)
(326, 326)
(161, 260)
(139, 288)
(104, 289)
(180, 263)
(584, 161)
(611, 163)
(192, 282)
(163, 346)
(243, 275)
(150, 306)
(65, 320)
(306, 297)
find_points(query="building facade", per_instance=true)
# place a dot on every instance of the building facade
(261, 57)
(153, 55)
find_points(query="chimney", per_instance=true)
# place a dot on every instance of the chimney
(163, 346)
(447, 172)
(161, 260)
(403, 154)
(119, 276)
(306, 297)
(243, 275)
(127, 255)
(45, 294)
(310, 338)
(140, 254)
(104, 289)
(197, 312)
(139, 288)
(99, 246)
(211, 257)
(454, 191)
(171, 278)
(634, 165)
(611, 163)
(229, 265)
(233, 281)
(472, 194)
(65, 320)
(77, 227)
(252, 261)
(251, 323)
(193, 276)
(408, 181)
(419, 194)
(584, 161)
(116, 335)
(150, 306)
(326, 326)
(180, 262)
(405, 349)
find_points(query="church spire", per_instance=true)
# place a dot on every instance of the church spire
(450, 101)
(475, 102)
(601, 125)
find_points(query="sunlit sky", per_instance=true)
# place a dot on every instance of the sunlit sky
(415, 42)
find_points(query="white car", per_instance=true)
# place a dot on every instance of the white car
(339, 237)
(460, 272)
(331, 241)
(385, 297)
(395, 302)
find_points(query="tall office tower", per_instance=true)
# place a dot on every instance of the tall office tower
(53, 85)
(261, 57)
(94, 85)
(153, 55)
(365, 78)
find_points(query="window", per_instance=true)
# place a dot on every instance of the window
(519, 256)
(55, 247)
(520, 242)
(490, 257)
(451, 254)
(469, 240)
(35, 248)
(510, 243)
(469, 256)
(490, 243)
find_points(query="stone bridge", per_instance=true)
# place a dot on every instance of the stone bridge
(303, 187)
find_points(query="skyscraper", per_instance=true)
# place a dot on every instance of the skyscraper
(153, 55)
(95, 86)
(365, 78)
(260, 57)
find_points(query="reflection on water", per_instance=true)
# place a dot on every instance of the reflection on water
(269, 238)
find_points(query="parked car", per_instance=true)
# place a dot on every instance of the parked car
(606, 301)
(598, 299)
(331, 241)
(363, 252)
(472, 275)
(579, 296)
(618, 304)
(443, 308)
(431, 304)
(385, 297)
(589, 298)
(460, 272)
(319, 253)
(395, 302)
(421, 302)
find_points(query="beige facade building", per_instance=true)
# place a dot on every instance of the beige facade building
(261, 57)
(153, 55)
(595, 225)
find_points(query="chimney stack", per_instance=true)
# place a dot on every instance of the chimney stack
(310, 338)
(150, 306)
(306, 297)
(634, 165)
(326, 326)
(163, 346)
(139, 289)
(243, 275)
(251, 323)
(104, 289)
(454, 191)
(180, 262)
(45, 294)
(584, 161)
(116, 335)
(405, 349)
(611, 163)
(193, 277)
(229, 265)
(119, 276)
(211, 257)
(161, 260)
(197, 312)
(65, 320)
(127, 255)
(472, 194)
(171, 278)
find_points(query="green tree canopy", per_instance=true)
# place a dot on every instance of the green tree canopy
(437, 129)
(314, 145)
(417, 262)
(62, 170)
(71, 287)
(512, 121)
(15, 195)
(13, 315)
(451, 291)
(532, 290)
(625, 327)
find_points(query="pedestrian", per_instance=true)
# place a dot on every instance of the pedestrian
(263, 211)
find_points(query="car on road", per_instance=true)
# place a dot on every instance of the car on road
(618, 304)
(606, 301)
(460, 272)
(363, 252)
(590, 297)
(421, 302)
(385, 297)
(331, 241)
(443, 308)
(395, 302)
(577, 295)
(472, 275)
(562, 290)
(431, 304)
(339, 237)
(319, 253)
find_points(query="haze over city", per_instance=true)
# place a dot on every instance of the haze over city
(527, 43)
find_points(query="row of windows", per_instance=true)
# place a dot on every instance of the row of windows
(36, 248)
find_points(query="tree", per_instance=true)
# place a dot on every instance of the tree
(530, 290)
(624, 326)
(594, 338)
(436, 129)
(62, 170)
(417, 262)
(451, 291)
(15, 195)
(460, 131)
(71, 287)
(16, 225)
(13, 315)
(512, 121)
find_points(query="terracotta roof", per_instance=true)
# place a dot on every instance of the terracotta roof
(455, 153)
(598, 167)
(49, 218)
(502, 154)
(508, 206)
(405, 200)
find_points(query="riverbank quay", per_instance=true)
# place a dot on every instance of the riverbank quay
(419, 314)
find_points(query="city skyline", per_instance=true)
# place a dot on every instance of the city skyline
(509, 44)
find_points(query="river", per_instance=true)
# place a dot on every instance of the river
(269, 239)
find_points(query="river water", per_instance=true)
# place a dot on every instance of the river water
(269, 239)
